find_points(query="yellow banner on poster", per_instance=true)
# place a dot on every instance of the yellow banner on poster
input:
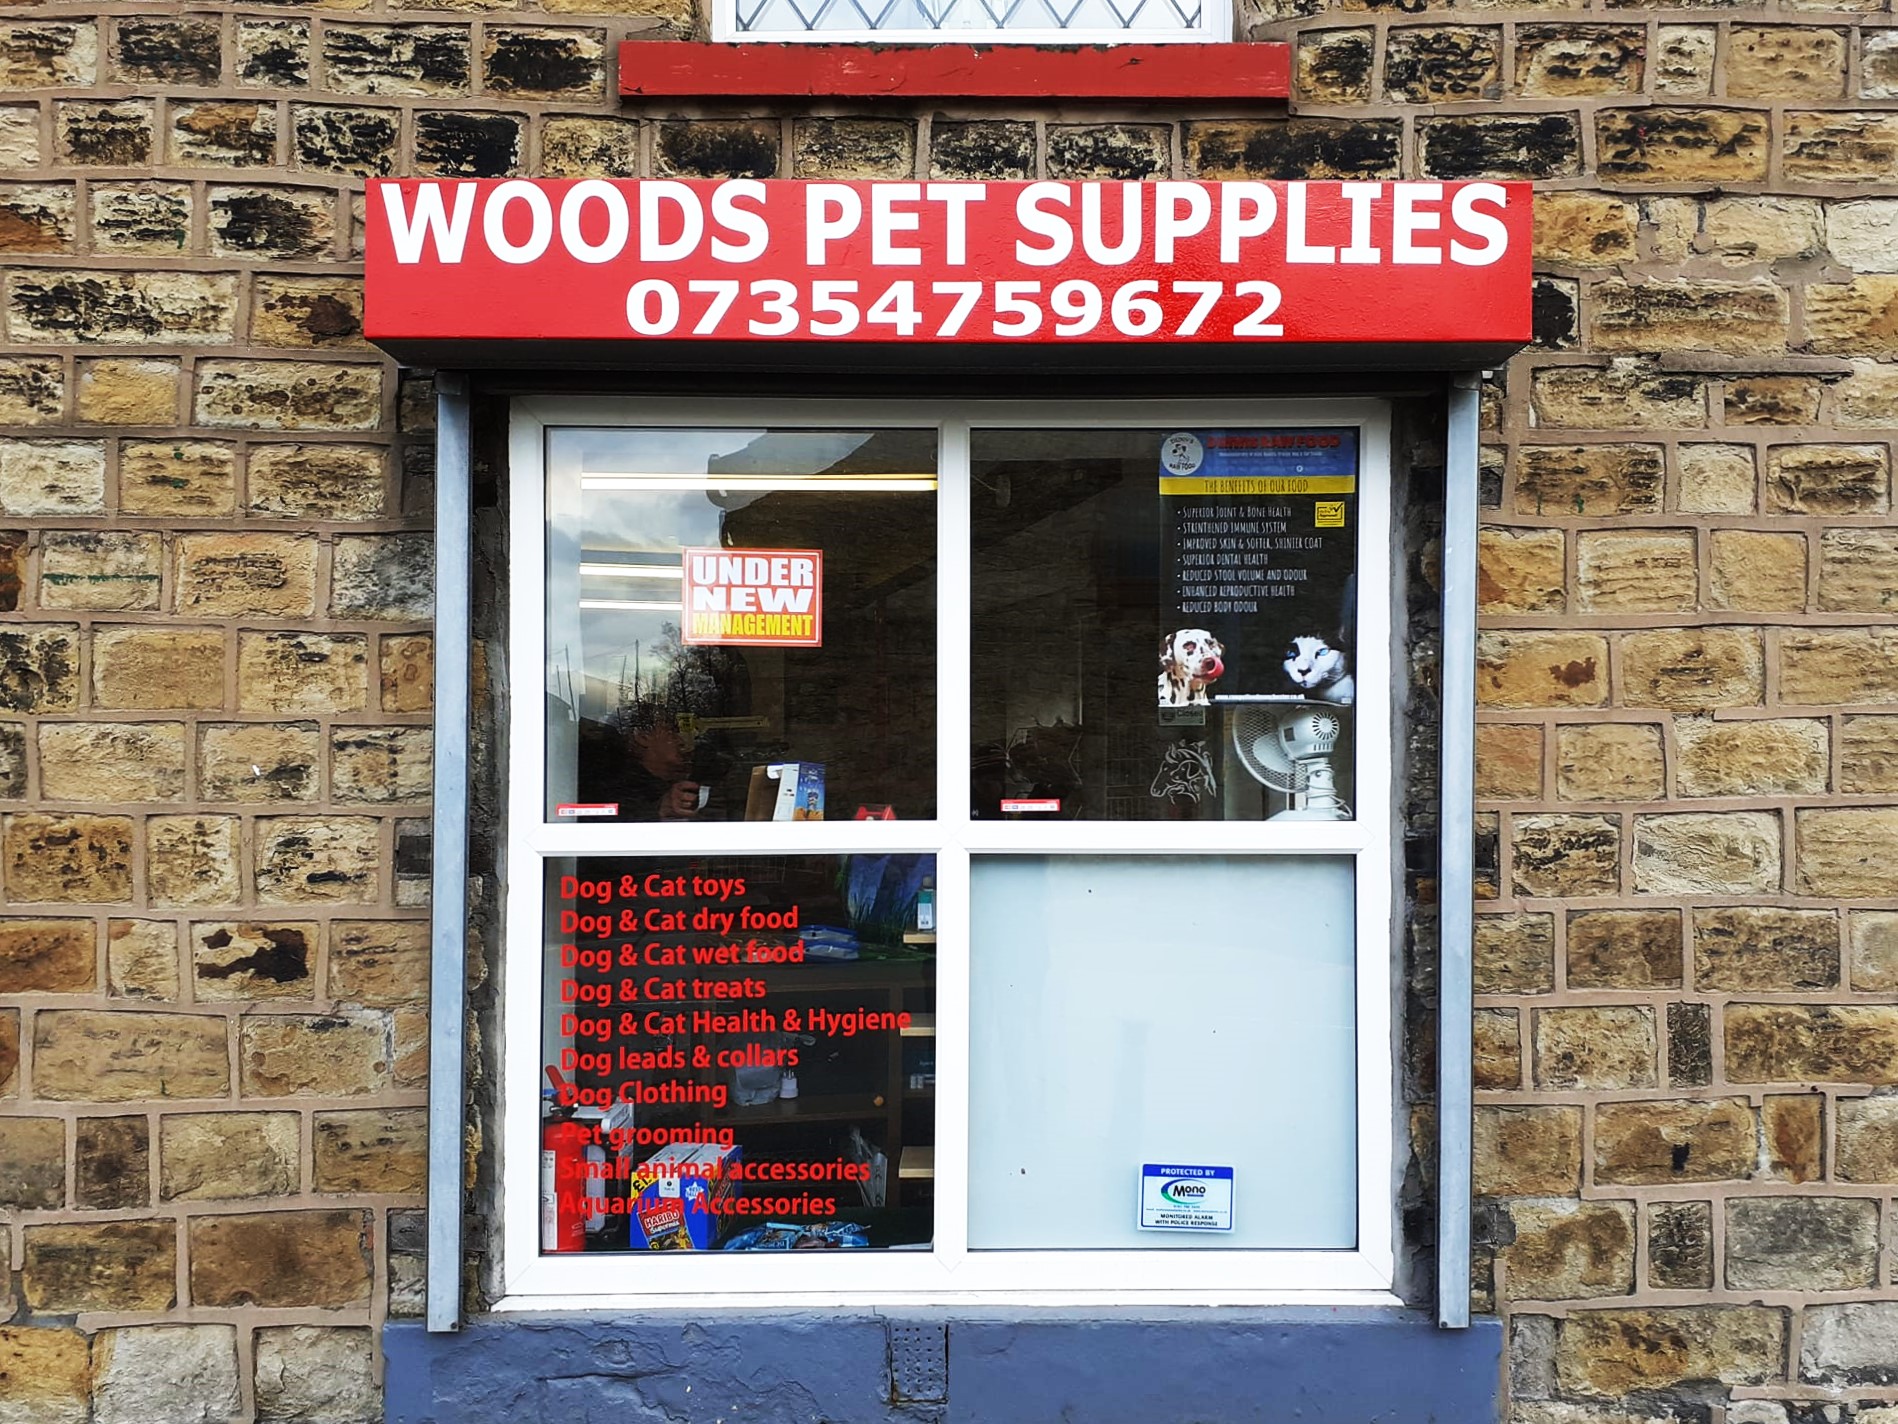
(1261, 484)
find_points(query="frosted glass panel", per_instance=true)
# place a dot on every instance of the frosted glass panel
(1192, 1011)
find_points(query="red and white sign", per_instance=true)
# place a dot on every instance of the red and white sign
(753, 598)
(751, 260)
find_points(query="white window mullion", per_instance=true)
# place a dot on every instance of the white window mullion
(952, 862)
(1381, 735)
(662, 838)
(521, 876)
(953, 1124)
(952, 630)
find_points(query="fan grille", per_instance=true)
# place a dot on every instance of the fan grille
(1275, 744)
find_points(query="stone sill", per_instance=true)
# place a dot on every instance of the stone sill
(1162, 73)
(1315, 1365)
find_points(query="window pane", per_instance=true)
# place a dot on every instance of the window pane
(971, 19)
(1141, 1011)
(738, 1041)
(799, 683)
(1164, 622)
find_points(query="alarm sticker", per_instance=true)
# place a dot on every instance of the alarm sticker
(1177, 1198)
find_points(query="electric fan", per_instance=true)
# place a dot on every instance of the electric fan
(1285, 744)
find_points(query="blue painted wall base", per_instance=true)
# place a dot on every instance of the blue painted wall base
(1211, 1366)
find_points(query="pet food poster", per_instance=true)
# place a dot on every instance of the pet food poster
(1257, 586)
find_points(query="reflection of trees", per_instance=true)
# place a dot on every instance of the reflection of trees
(638, 689)
(688, 679)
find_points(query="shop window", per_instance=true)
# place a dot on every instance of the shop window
(657, 715)
(1079, 539)
(952, 854)
(1063, 22)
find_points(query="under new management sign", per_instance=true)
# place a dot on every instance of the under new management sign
(1233, 264)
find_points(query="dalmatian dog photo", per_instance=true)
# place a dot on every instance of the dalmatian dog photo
(1320, 671)
(1191, 660)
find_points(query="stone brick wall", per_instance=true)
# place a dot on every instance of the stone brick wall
(215, 659)
(1687, 1142)
(214, 727)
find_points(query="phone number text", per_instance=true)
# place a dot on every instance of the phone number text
(769, 306)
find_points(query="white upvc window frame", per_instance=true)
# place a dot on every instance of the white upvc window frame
(1215, 27)
(948, 1272)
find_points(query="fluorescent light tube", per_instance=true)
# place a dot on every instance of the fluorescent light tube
(766, 484)
(631, 571)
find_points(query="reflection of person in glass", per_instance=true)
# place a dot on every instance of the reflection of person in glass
(661, 775)
(645, 764)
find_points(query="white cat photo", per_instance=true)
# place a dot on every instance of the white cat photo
(1320, 671)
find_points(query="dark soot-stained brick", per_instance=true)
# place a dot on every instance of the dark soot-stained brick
(1115, 152)
(34, 390)
(38, 671)
(467, 145)
(1683, 145)
(170, 51)
(12, 737)
(531, 63)
(982, 148)
(719, 149)
(273, 53)
(1298, 148)
(393, 59)
(112, 1163)
(1680, 1246)
(358, 141)
(1578, 59)
(1341, 65)
(107, 135)
(266, 222)
(1689, 1045)
(1480, 146)
(1427, 65)
(278, 954)
(1553, 314)
(90, 306)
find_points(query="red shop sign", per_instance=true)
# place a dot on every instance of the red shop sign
(1243, 264)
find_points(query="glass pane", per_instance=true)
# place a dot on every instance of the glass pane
(739, 1053)
(1085, 20)
(1162, 1039)
(1164, 622)
(741, 624)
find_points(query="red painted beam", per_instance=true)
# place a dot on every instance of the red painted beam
(681, 69)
